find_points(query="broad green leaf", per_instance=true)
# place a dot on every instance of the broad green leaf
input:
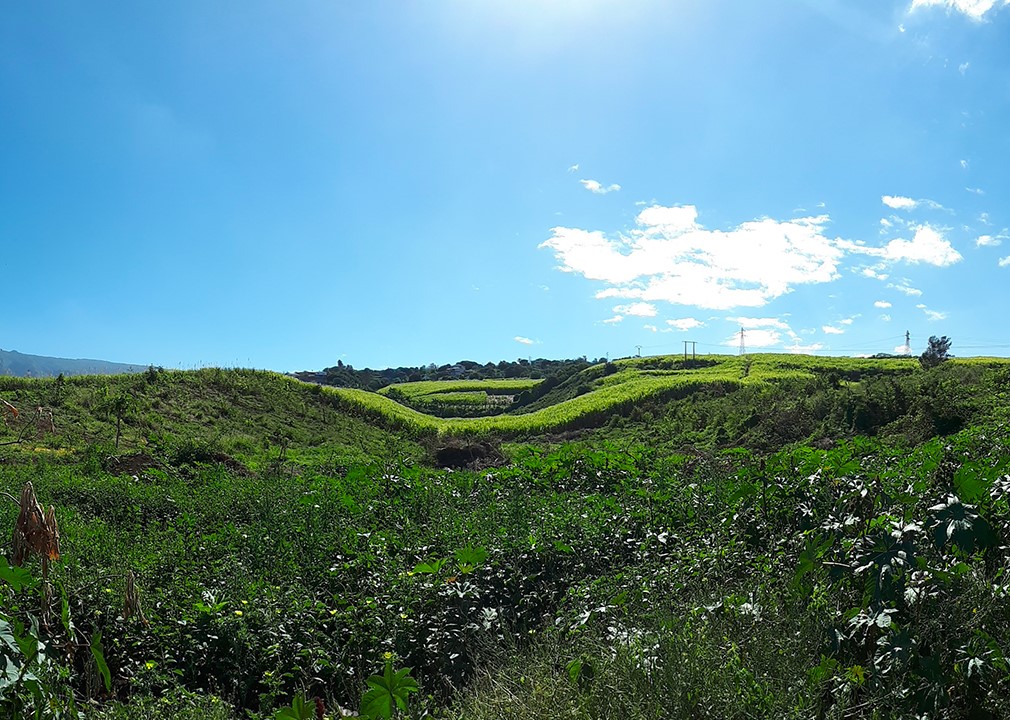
(99, 655)
(17, 578)
(429, 568)
(388, 691)
(8, 639)
(68, 623)
(470, 555)
(971, 484)
(300, 709)
(574, 670)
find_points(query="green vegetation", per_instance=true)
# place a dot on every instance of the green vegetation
(440, 387)
(459, 398)
(596, 394)
(760, 536)
(346, 376)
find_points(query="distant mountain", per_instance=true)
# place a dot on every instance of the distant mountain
(14, 363)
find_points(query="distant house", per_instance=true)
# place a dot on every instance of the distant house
(457, 371)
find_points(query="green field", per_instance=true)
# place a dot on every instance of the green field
(633, 381)
(441, 387)
(755, 537)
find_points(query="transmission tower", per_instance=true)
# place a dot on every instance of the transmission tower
(639, 349)
(908, 344)
(743, 348)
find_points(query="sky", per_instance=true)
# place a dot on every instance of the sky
(286, 185)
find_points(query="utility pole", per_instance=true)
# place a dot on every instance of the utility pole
(743, 348)
(685, 350)
(694, 346)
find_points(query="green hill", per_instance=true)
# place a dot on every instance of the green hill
(760, 400)
(764, 536)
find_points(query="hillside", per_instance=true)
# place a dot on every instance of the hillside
(766, 537)
(761, 401)
(22, 365)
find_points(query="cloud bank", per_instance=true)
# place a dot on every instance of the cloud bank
(975, 9)
(669, 256)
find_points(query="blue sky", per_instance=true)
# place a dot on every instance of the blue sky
(285, 185)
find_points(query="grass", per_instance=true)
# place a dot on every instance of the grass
(282, 544)
(467, 397)
(592, 407)
(416, 390)
(249, 415)
(592, 397)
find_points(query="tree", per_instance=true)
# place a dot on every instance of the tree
(936, 352)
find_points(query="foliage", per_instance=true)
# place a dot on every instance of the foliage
(387, 692)
(936, 352)
(284, 549)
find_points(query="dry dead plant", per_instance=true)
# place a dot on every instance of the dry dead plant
(35, 531)
(131, 600)
(44, 422)
(10, 413)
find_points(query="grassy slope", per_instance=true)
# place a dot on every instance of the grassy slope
(433, 387)
(313, 559)
(591, 397)
(249, 415)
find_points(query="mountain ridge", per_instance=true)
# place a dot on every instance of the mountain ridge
(20, 364)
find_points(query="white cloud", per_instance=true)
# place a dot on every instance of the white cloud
(1003, 262)
(899, 203)
(963, 68)
(964, 163)
(984, 218)
(932, 314)
(684, 324)
(829, 330)
(977, 191)
(614, 320)
(748, 323)
(523, 340)
(993, 240)
(905, 288)
(594, 186)
(798, 349)
(573, 168)
(651, 328)
(928, 246)
(874, 272)
(900, 350)
(975, 9)
(639, 309)
(669, 256)
(755, 339)
(885, 318)
(882, 304)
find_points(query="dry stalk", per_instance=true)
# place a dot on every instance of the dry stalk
(35, 531)
(131, 601)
